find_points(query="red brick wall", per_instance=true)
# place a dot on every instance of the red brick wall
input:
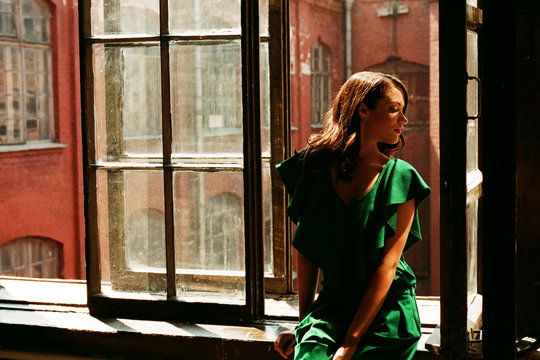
(312, 21)
(42, 189)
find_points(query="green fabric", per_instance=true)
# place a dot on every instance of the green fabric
(345, 240)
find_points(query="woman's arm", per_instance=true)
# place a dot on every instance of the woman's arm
(380, 282)
(308, 275)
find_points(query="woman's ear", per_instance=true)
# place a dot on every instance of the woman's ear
(363, 110)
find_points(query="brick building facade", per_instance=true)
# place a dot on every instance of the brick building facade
(44, 178)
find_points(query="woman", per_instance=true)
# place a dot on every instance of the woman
(355, 210)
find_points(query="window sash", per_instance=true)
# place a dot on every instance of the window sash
(251, 167)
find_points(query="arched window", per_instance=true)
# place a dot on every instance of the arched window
(26, 100)
(31, 257)
(320, 83)
(224, 233)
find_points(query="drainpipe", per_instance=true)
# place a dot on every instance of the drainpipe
(348, 39)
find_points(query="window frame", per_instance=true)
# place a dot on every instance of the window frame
(254, 160)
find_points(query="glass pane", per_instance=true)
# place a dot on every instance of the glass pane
(11, 131)
(267, 218)
(206, 98)
(265, 100)
(31, 106)
(43, 116)
(472, 70)
(118, 17)
(6, 6)
(204, 16)
(472, 250)
(472, 145)
(131, 227)
(6, 22)
(30, 84)
(263, 17)
(209, 236)
(35, 21)
(44, 256)
(127, 102)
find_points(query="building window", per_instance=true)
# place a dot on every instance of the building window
(31, 257)
(26, 97)
(320, 83)
(168, 116)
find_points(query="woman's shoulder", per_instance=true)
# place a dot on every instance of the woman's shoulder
(403, 178)
(402, 166)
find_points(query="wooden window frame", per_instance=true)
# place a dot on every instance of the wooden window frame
(253, 162)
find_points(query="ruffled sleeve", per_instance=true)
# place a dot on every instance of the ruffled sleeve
(292, 174)
(401, 184)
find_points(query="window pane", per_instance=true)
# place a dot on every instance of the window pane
(204, 16)
(263, 17)
(11, 131)
(472, 250)
(127, 102)
(206, 98)
(265, 100)
(472, 70)
(37, 95)
(35, 21)
(472, 145)
(267, 218)
(209, 236)
(118, 17)
(6, 18)
(131, 229)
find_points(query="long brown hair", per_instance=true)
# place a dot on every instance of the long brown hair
(339, 141)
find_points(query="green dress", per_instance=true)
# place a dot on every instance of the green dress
(345, 241)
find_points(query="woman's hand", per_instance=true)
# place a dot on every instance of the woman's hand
(344, 353)
(285, 343)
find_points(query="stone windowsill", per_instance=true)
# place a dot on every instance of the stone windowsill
(51, 318)
(37, 145)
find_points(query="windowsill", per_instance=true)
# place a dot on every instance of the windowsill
(51, 317)
(37, 145)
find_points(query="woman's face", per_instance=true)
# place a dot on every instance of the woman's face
(385, 122)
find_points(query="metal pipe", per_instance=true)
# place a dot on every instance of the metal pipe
(348, 37)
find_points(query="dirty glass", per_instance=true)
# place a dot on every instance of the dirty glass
(209, 235)
(131, 231)
(127, 90)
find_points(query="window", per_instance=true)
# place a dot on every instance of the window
(320, 83)
(31, 257)
(26, 97)
(170, 105)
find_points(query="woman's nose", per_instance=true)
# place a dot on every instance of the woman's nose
(403, 119)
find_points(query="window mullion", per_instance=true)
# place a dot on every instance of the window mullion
(167, 149)
(253, 203)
